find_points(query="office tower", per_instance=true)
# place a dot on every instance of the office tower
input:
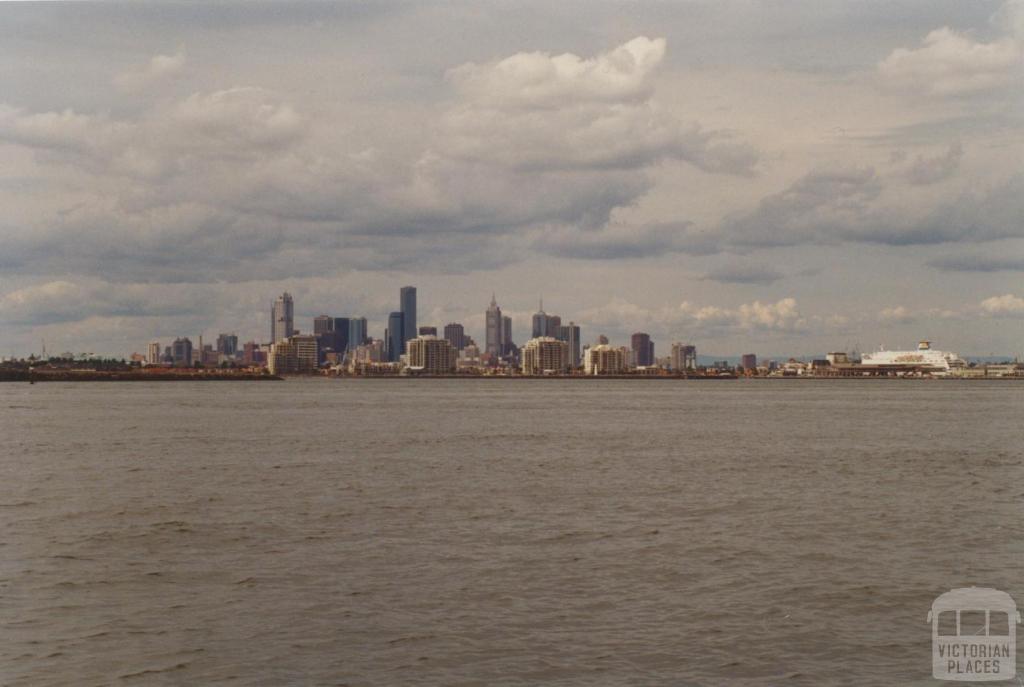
(181, 352)
(544, 324)
(393, 336)
(456, 335)
(603, 359)
(684, 357)
(431, 355)
(356, 332)
(407, 304)
(227, 344)
(153, 354)
(428, 331)
(493, 326)
(507, 345)
(341, 332)
(570, 334)
(323, 324)
(282, 318)
(545, 355)
(643, 349)
(602, 340)
(748, 361)
(306, 352)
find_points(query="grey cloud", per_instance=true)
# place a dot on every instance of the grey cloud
(933, 169)
(744, 273)
(976, 262)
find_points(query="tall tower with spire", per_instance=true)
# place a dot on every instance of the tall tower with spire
(494, 326)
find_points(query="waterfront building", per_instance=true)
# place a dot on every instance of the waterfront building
(181, 352)
(684, 357)
(373, 351)
(428, 331)
(356, 332)
(393, 335)
(455, 333)
(749, 362)
(643, 349)
(570, 334)
(431, 355)
(407, 304)
(296, 354)
(545, 355)
(603, 359)
(282, 318)
(153, 353)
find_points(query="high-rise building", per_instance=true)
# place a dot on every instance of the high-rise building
(748, 361)
(544, 324)
(643, 349)
(428, 331)
(431, 355)
(356, 332)
(602, 340)
(455, 333)
(684, 357)
(494, 339)
(181, 351)
(296, 354)
(282, 318)
(323, 324)
(227, 344)
(341, 332)
(507, 345)
(153, 353)
(393, 336)
(407, 304)
(603, 359)
(570, 334)
(545, 355)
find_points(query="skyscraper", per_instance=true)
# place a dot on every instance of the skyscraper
(181, 349)
(356, 332)
(506, 335)
(493, 326)
(153, 354)
(749, 361)
(323, 324)
(456, 335)
(282, 318)
(544, 324)
(643, 349)
(407, 304)
(393, 336)
(428, 331)
(570, 334)
(227, 344)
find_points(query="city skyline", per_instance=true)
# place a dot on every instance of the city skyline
(798, 178)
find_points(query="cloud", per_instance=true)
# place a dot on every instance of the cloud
(1006, 305)
(976, 262)
(949, 63)
(159, 68)
(744, 273)
(824, 203)
(934, 169)
(896, 314)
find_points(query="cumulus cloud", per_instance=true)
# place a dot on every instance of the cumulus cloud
(159, 68)
(1007, 305)
(687, 319)
(949, 63)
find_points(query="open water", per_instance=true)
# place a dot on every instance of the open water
(498, 532)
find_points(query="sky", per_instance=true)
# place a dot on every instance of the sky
(769, 177)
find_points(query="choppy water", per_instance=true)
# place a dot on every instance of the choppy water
(394, 532)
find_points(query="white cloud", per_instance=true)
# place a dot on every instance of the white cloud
(949, 63)
(158, 68)
(1006, 305)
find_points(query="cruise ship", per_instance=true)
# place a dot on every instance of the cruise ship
(937, 362)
